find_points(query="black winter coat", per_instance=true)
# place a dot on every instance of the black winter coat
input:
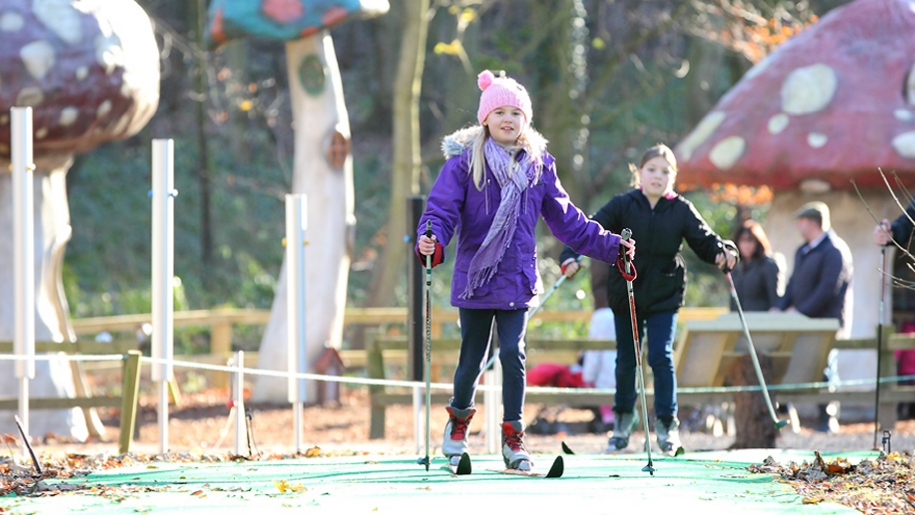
(659, 235)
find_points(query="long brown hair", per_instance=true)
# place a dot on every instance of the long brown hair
(659, 150)
(752, 227)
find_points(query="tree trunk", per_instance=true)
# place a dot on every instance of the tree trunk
(407, 159)
(52, 323)
(323, 170)
(755, 429)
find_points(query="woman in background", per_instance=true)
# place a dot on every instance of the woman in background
(758, 277)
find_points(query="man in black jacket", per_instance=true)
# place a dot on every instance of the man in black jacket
(820, 285)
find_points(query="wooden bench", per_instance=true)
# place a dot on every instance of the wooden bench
(798, 347)
(84, 399)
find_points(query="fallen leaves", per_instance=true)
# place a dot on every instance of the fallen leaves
(885, 485)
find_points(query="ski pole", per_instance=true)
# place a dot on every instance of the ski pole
(428, 364)
(746, 331)
(879, 342)
(625, 234)
(559, 282)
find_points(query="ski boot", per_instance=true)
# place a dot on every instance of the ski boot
(668, 431)
(622, 428)
(513, 451)
(456, 430)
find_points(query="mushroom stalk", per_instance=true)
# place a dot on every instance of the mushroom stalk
(319, 114)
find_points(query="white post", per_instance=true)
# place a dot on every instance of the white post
(238, 400)
(296, 226)
(163, 271)
(24, 259)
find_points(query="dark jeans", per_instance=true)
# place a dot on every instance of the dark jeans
(476, 335)
(660, 342)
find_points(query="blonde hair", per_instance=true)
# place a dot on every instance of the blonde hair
(659, 150)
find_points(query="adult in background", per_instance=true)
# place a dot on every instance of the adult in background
(662, 219)
(901, 231)
(820, 285)
(758, 278)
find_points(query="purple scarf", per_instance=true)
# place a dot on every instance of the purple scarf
(513, 178)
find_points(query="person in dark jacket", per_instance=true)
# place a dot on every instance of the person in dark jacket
(497, 183)
(758, 278)
(900, 231)
(661, 220)
(820, 286)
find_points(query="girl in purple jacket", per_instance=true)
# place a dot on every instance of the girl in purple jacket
(498, 181)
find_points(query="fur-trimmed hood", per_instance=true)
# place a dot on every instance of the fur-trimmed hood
(459, 141)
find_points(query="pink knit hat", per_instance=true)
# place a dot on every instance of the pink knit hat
(501, 91)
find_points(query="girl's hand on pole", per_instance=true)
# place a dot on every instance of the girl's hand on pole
(726, 260)
(882, 232)
(570, 267)
(427, 245)
(629, 248)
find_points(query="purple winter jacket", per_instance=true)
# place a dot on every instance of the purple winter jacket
(456, 206)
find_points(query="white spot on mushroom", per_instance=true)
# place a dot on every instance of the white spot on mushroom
(68, 115)
(904, 144)
(726, 152)
(816, 139)
(29, 96)
(903, 115)
(103, 108)
(814, 186)
(38, 57)
(808, 89)
(41, 133)
(82, 72)
(778, 123)
(11, 22)
(60, 17)
(701, 133)
(108, 52)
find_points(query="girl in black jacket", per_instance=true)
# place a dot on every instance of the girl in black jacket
(660, 220)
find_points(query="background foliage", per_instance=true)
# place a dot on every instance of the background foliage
(608, 78)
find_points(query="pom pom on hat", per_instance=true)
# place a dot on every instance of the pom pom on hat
(501, 91)
(484, 79)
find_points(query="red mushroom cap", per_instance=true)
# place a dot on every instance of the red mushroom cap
(834, 103)
(89, 70)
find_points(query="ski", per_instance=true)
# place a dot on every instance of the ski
(556, 470)
(566, 449)
(464, 466)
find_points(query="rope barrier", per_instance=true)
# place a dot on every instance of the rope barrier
(448, 386)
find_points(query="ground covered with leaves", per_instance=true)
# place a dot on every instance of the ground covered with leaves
(883, 486)
(200, 430)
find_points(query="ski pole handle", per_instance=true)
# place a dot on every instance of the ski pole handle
(428, 257)
(625, 235)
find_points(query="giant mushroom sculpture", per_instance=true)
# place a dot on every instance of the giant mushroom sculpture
(90, 73)
(322, 163)
(831, 105)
